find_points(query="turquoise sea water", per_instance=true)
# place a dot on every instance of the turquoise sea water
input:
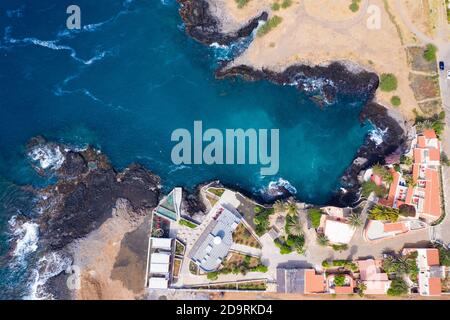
(130, 78)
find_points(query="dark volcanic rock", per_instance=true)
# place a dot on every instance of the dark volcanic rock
(394, 141)
(84, 196)
(330, 79)
(192, 202)
(204, 27)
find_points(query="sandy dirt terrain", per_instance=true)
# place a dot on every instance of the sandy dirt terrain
(110, 267)
(320, 31)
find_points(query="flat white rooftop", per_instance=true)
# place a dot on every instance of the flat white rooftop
(161, 243)
(160, 258)
(158, 283)
(162, 268)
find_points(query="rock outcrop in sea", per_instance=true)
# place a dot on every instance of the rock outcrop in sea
(86, 191)
(205, 27)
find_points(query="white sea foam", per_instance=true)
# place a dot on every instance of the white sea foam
(48, 156)
(377, 135)
(53, 45)
(27, 236)
(273, 188)
(47, 267)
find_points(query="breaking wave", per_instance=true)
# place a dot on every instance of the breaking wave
(47, 156)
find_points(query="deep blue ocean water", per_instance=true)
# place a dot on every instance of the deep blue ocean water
(127, 80)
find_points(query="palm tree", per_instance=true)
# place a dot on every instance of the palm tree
(291, 208)
(278, 206)
(322, 240)
(355, 220)
(293, 225)
(389, 264)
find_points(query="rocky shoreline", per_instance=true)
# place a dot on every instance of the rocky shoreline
(343, 78)
(205, 28)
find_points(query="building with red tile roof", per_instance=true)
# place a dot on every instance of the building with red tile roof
(376, 282)
(425, 195)
(430, 272)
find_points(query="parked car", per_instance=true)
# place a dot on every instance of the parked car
(441, 65)
(448, 74)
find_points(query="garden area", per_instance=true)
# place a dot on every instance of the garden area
(314, 216)
(243, 236)
(261, 219)
(187, 223)
(396, 268)
(340, 265)
(238, 263)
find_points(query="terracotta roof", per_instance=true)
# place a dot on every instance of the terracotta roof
(398, 227)
(433, 257)
(429, 134)
(418, 155)
(314, 283)
(343, 290)
(393, 189)
(435, 286)
(434, 154)
(421, 142)
(432, 206)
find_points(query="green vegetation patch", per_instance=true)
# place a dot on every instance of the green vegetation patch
(339, 280)
(187, 223)
(430, 52)
(369, 186)
(346, 264)
(290, 244)
(269, 25)
(388, 82)
(380, 212)
(286, 4)
(398, 288)
(217, 191)
(354, 6)
(436, 122)
(396, 101)
(241, 3)
(314, 216)
(261, 219)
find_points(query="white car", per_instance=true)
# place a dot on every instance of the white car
(448, 74)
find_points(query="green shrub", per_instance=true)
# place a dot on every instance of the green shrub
(339, 247)
(269, 25)
(430, 52)
(339, 280)
(325, 264)
(396, 101)
(212, 275)
(398, 287)
(380, 212)
(261, 268)
(187, 223)
(276, 6)
(314, 216)
(261, 219)
(354, 7)
(286, 4)
(241, 3)
(407, 210)
(369, 186)
(388, 82)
